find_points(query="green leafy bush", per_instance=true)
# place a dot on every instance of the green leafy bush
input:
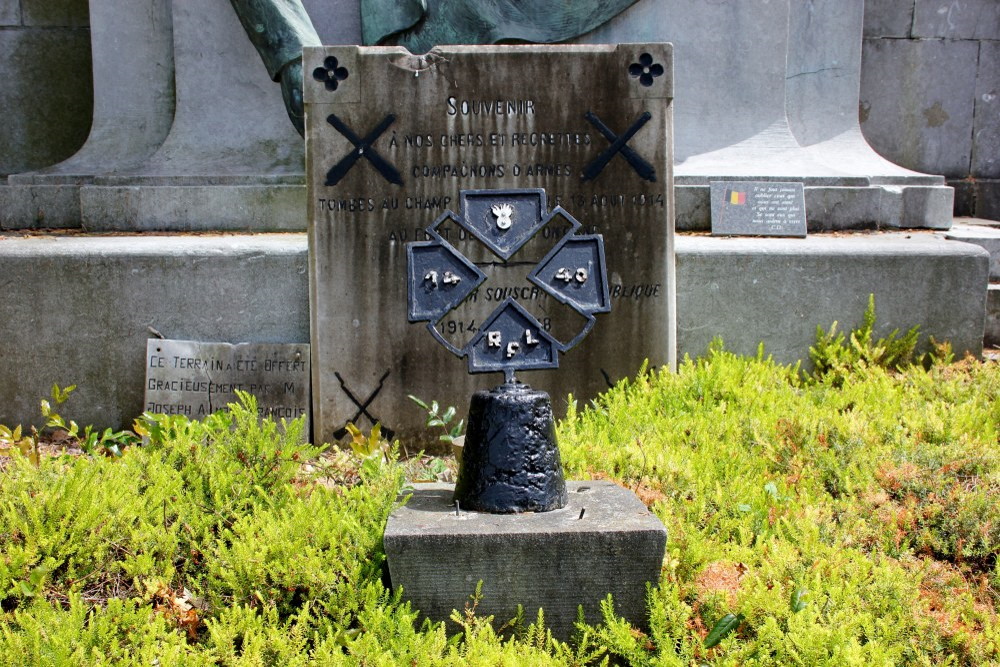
(835, 357)
(451, 430)
(810, 522)
(769, 486)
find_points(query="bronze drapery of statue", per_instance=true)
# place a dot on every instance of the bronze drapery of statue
(280, 28)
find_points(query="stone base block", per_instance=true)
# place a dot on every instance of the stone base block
(39, 206)
(777, 291)
(267, 208)
(992, 336)
(604, 541)
(78, 310)
(918, 207)
(981, 233)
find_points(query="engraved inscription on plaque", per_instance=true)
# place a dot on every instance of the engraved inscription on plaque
(758, 208)
(572, 141)
(195, 379)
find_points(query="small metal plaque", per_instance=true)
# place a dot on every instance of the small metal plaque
(758, 208)
(194, 379)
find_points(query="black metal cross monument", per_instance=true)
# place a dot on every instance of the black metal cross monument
(510, 461)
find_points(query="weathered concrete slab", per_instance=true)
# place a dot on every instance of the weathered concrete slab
(904, 84)
(983, 235)
(234, 207)
(968, 19)
(882, 207)
(54, 13)
(986, 130)
(10, 12)
(39, 206)
(46, 96)
(86, 305)
(781, 289)
(229, 129)
(109, 290)
(133, 111)
(398, 141)
(554, 560)
(888, 18)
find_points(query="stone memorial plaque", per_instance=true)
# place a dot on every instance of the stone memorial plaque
(758, 208)
(503, 163)
(194, 379)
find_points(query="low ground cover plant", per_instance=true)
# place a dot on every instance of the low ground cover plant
(844, 518)
(849, 519)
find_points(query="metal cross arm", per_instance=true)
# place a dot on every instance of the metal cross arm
(619, 144)
(362, 148)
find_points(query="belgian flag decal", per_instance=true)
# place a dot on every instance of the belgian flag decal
(736, 197)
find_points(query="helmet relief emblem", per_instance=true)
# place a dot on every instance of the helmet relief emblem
(503, 213)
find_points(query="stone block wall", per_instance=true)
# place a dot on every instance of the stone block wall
(930, 93)
(47, 84)
(930, 87)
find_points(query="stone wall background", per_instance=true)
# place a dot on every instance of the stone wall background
(46, 88)
(930, 93)
(930, 89)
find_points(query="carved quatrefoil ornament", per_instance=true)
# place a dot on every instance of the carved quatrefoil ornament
(511, 339)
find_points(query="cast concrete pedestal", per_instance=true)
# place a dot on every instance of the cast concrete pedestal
(132, 47)
(232, 160)
(603, 541)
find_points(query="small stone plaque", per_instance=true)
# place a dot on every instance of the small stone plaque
(195, 379)
(502, 163)
(758, 208)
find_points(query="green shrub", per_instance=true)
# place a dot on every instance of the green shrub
(810, 522)
(835, 357)
(311, 551)
(74, 632)
(85, 525)
(770, 486)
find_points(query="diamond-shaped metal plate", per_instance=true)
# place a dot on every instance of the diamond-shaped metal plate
(440, 278)
(510, 340)
(504, 220)
(575, 273)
